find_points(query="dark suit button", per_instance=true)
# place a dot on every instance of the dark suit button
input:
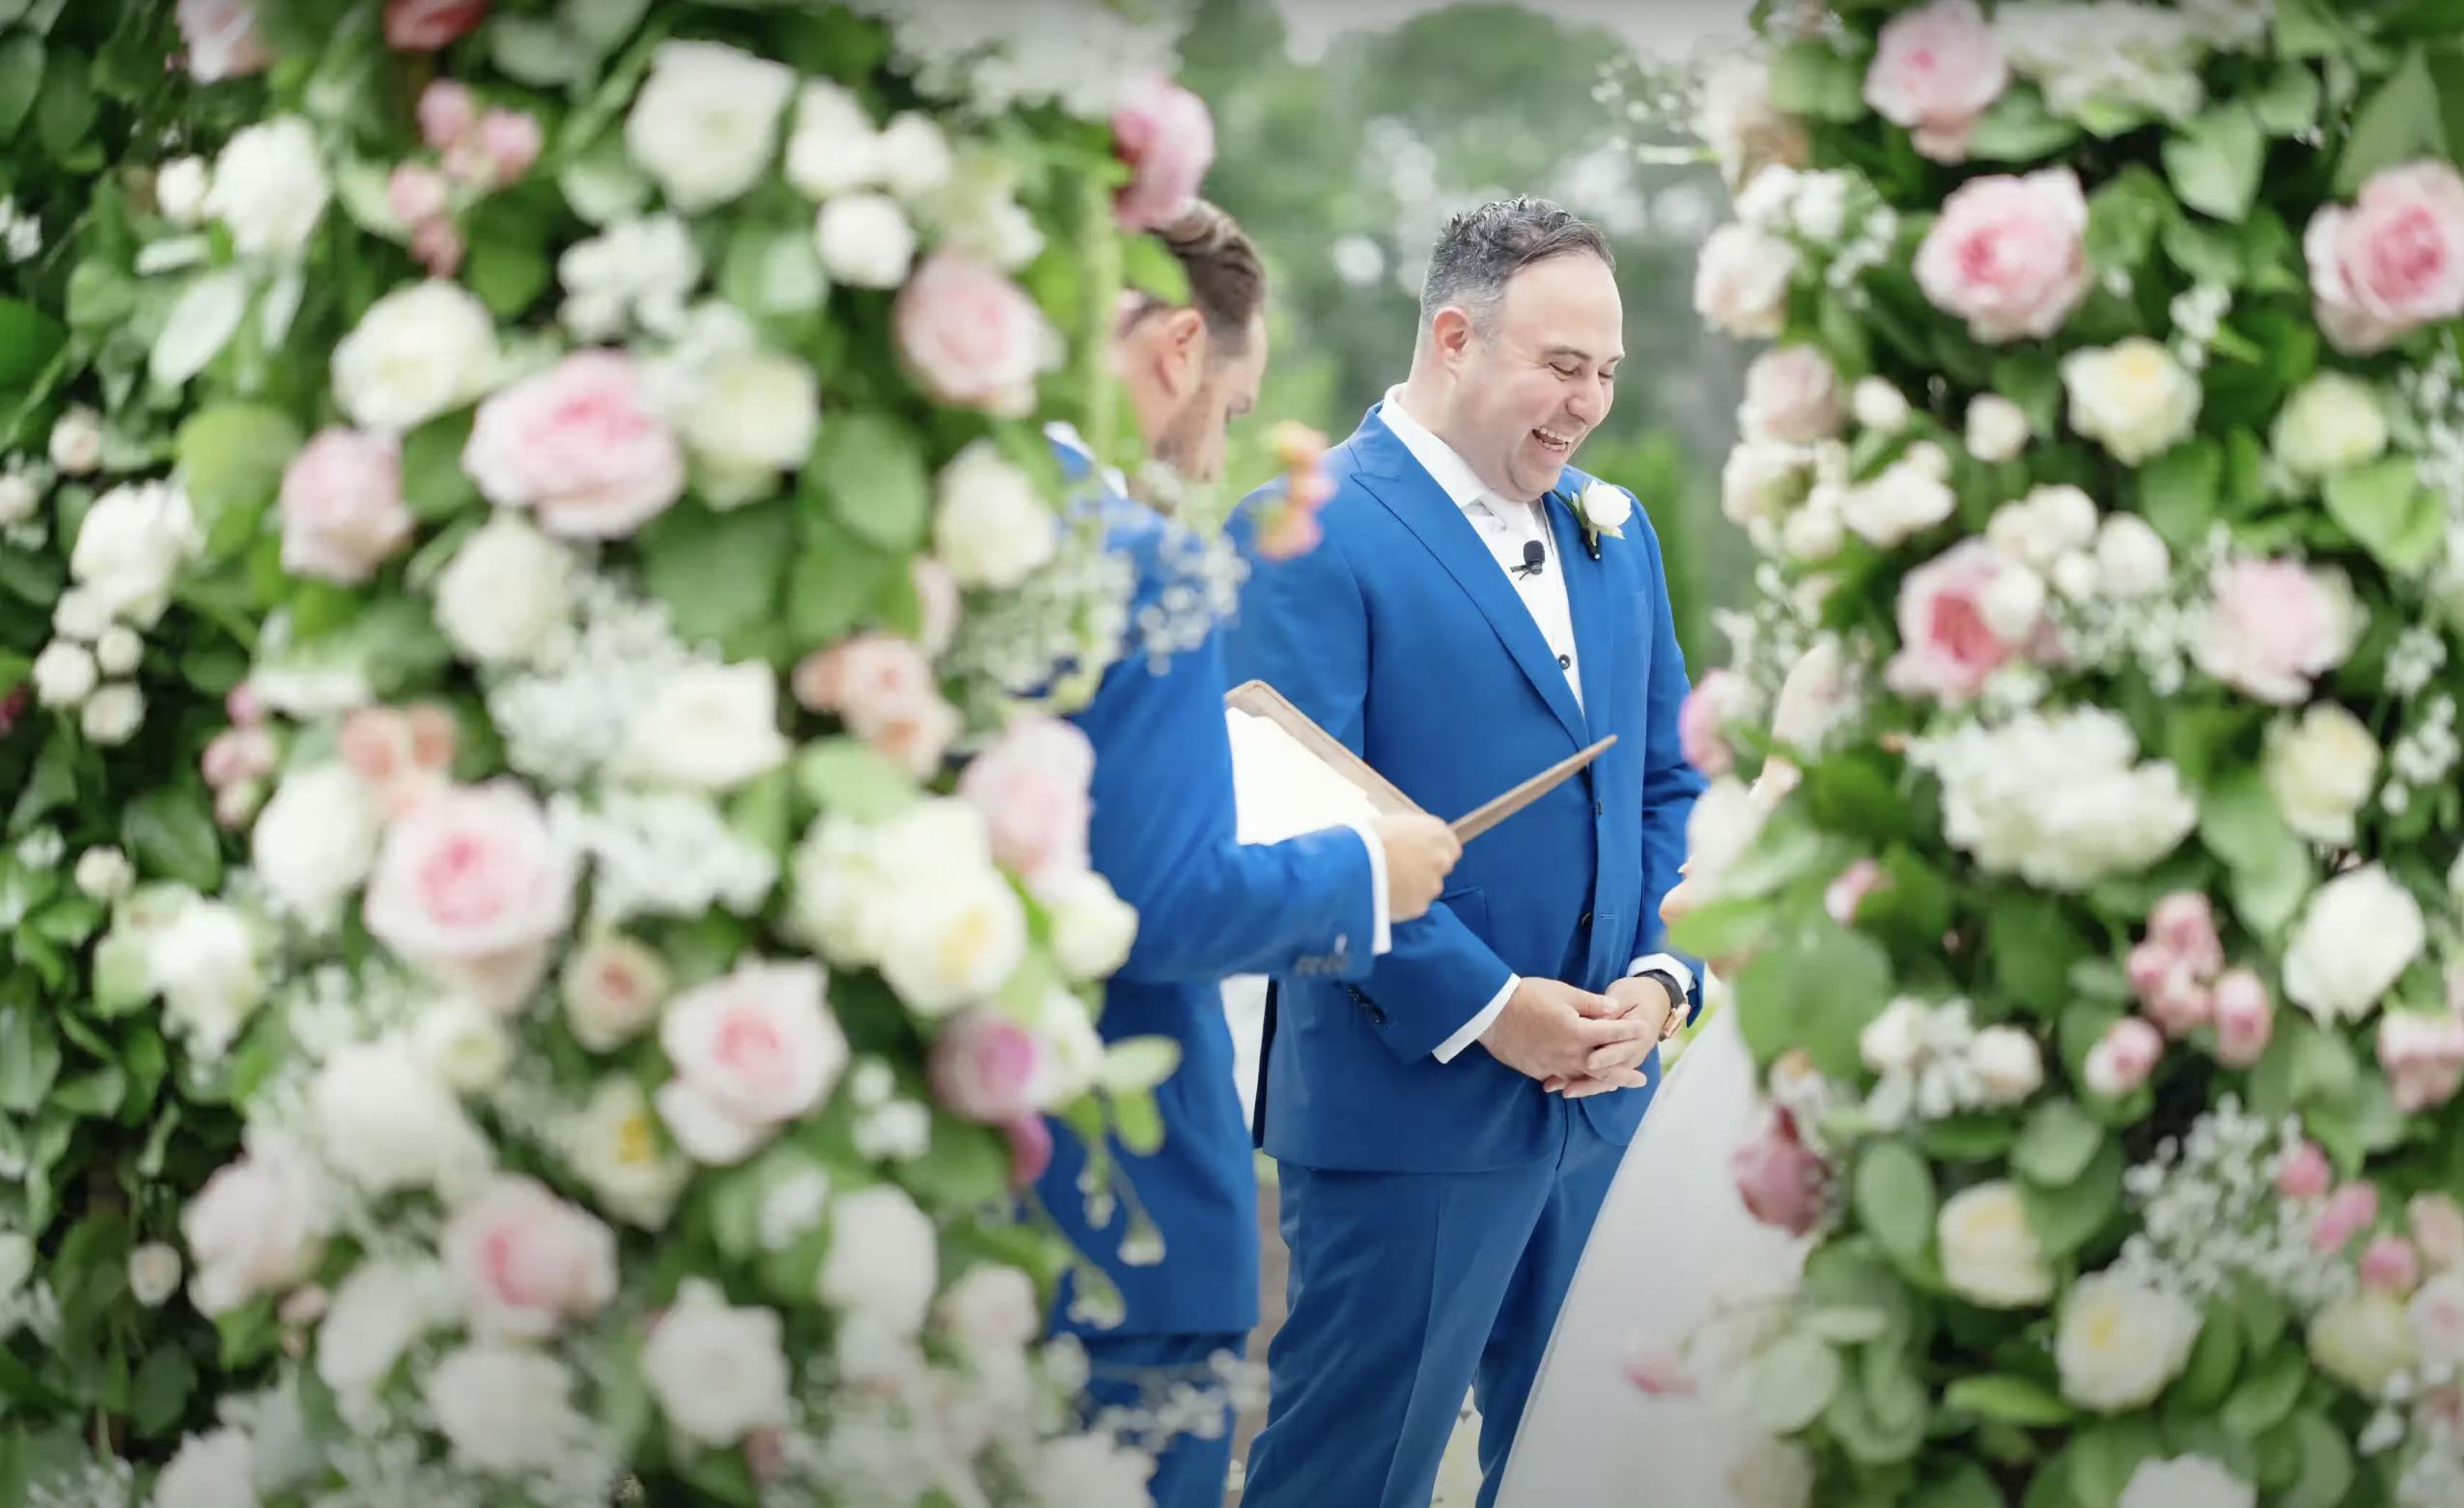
(1586, 920)
(1377, 1017)
(1599, 808)
(1566, 663)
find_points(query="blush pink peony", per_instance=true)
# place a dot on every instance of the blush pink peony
(580, 445)
(2390, 262)
(342, 508)
(1163, 132)
(2009, 255)
(221, 39)
(752, 1051)
(429, 25)
(2273, 627)
(525, 1260)
(970, 337)
(470, 886)
(1782, 1181)
(1032, 788)
(987, 1068)
(1946, 647)
(883, 688)
(1935, 70)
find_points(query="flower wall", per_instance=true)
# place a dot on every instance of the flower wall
(2096, 912)
(546, 897)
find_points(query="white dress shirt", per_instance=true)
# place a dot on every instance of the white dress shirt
(1505, 525)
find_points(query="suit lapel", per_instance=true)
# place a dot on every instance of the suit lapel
(1423, 507)
(1586, 585)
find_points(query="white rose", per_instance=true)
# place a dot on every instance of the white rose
(2359, 934)
(254, 1228)
(1605, 507)
(270, 187)
(2037, 530)
(465, 1044)
(112, 715)
(1792, 397)
(953, 943)
(2132, 397)
(991, 528)
(916, 156)
(1761, 480)
(1997, 428)
(1892, 1041)
(2077, 577)
(131, 547)
(2186, 1482)
(851, 878)
(505, 592)
(2320, 770)
(153, 1274)
(2131, 557)
(315, 841)
(118, 650)
(2013, 605)
(2332, 423)
(2007, 1063)
(180, 190)
(613, 1146)
(389, 1123)
(751, 416)
(83, 614)
(706, 728)
(1905, 500)
(2436, 1314)
(1741, 282)
(63, 674)
(76, 441)
(1989, 1251)
(1092, 927)
(19, 497)
(419, 352)
(1878, 406)
(2121, 1341)
(380, 1309)
(206, 962)
(794, 1204)
(1814, 531)
(2364, 1340)
(217, 1471)
(104, 875)
(993, 1308)
(834, 148)
(503, 1407)
(1091, 1471)
(865, 240)
(613, 990)
(717, 1372)
(706, 122)
(883, 1258)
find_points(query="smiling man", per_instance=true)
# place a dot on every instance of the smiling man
(1448, 1127)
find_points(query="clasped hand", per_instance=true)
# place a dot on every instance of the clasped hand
(1577, 1042)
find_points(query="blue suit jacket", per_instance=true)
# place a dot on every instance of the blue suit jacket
(1401, 636)
(1163, 833)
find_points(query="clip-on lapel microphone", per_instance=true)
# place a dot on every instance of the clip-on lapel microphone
(1535, 558)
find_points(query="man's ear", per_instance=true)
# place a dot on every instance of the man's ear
(1450, 332)
(1180, 351)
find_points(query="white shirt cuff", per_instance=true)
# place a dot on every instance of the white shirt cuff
(1667, 964)
(1383, 933)
(1452, 1047)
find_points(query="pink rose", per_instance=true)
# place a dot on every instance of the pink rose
(1782, 1181)
(404, 756)
(221, 39)
(470, 886)
(526, 1261)
(1935, 70)
(2393, 262)
(1031, 786)
(253, 1229)
(1030, 1150)
(581, 445)
(429, 25)
(1792, 397)
(883, 688)
(244, 705)
(2184, 924)
(236, 756)
(970, 336)
(1703, 733)
(936, 604)
(1843, 896)
(2436, 1317)
(2390, 1264)
(2422, 1056)
(415, 193)
(2350, 1210)
(2245, 1019)
(1163, 132)
(512, 141)
(1946, 649)
(2272, 628)
(752, 1051)
(2182, 1005)
(2124, 1058)
(447, 111)
(342, 508)
(437, 245)
(2304, 1173)
(987, 1068)
(2009, 255)
(2437, 1224)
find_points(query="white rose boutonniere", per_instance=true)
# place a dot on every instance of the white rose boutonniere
(1599, 509)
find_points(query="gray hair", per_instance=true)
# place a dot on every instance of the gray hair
(1482, 250)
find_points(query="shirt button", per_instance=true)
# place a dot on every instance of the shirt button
(1566, 663)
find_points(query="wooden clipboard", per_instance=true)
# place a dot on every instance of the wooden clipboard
(1261, 700)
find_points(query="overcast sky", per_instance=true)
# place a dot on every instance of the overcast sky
(1671, 25)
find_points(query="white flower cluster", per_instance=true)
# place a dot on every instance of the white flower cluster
(129, 550)
(995, 57)
(2060, 800)
(1933, 1062)
(2415, 659)
(2112, 61)
(562, 718)
(662, 854)
(1066, 618)
(1832, 212)
(20, 230)
(1194, 1401)
(2433, 393)
(1203, 577)
(634, 274)
(2422, 756)
(2211, 1216)
(2198, 312)
(23, 482)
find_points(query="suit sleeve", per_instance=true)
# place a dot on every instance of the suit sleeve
(1305, 629)
(1670, 784)
(1163, 833)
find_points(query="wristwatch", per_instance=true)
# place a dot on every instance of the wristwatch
(1678, 1014)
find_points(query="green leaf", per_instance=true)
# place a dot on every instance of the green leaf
(1149, 266)
(2032, 945)
(2267, 1394)
(2289, 102)
(2326, 1472)
(846, 776)
(433, 483)
(20, 80)
(65, 111)
(1794, 1380)
(2386, 510)
(231, 457)
(508, 269)
(1894, 1198)
(1855, 794)
(170, 832)
(718, 572)
(872, 470)
(1811, 79)
(98, 1094)
(2059, 1143)
(2067, 1216)
(2124, 217)
(160, 1392)
(2034, 382)
(2177, 491)
(2214, 163)
(1817, 989)
(1139, 1064)
(29, 339)
(1138, 1122)
(2019, 129)
(2214, 1361)
(2011, 1400)
(836, 582)
(2104, 1458)
(536, 52)
(29, 1059)
(2309, 29)
(2208, 253)
(2240, 824)
(2400, 123)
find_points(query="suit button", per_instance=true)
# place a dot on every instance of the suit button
(1586, 920)
(1566, 663)
(1377, 1018)
(1599, 808)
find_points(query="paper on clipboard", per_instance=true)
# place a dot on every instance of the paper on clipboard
(1280, 797)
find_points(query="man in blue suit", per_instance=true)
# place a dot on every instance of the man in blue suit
(1322, 906)
(1447, 1129)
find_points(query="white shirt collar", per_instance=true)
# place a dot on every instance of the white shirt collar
(1450, 471)
(1062, 432)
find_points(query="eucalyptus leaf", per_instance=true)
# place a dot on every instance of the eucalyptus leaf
(2059, 1143)
(1894, 1198)
(872, 470)
(20, 80)
(2011, 1400)
(2390, 514)
(2214, 163)
(1794, 1379)
(1139, 1064)
(2399, 123)
(2067, 1216)
(2017, 127)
